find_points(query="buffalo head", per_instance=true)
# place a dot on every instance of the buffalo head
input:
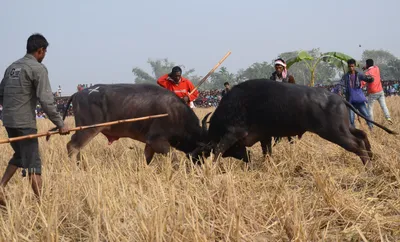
(204, 146)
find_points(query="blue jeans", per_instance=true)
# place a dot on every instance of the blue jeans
(362, 108)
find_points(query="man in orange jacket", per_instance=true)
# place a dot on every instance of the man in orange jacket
(176, 83)
(375, 90)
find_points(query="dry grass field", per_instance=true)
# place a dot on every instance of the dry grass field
(310, 191)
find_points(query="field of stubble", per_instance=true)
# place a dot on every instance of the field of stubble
(311, 191)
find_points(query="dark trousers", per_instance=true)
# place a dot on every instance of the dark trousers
(26, 152)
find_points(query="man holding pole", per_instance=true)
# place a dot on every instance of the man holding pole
(181, 86)
(25, 82)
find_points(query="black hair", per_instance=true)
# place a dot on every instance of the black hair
(351, 61)
(176, 69)
(35, 42)
(226, 83)
(370, 62)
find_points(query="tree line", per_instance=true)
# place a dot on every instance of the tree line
(308, 67)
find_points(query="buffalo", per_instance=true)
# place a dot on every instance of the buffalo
(259, 109)
(104, 103)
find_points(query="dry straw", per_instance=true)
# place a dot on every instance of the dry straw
(310, 191)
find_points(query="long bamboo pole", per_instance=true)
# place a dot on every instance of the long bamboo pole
(48, 133)
(210, 72)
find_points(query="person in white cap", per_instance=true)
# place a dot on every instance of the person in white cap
(281, 74)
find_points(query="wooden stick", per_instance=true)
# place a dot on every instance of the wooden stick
(32, 136)
(210, 72)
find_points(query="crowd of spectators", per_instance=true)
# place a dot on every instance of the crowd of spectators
(61, 105)
(211, 98)
(208, 98)
(391, 88)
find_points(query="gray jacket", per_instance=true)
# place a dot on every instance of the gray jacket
(25, 83)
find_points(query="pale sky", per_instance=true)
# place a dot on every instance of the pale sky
(101, 41)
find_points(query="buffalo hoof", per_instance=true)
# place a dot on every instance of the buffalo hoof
(2, 199)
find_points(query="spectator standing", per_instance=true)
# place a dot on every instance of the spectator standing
(351, 83)
(25, 82)
(181, 86)
(281, 74)
(226, 90)
(375, 90)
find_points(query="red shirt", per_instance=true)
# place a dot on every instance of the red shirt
(182, 89)
(376, 85)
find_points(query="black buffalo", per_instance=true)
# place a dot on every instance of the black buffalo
(257, 110)
(105, 103)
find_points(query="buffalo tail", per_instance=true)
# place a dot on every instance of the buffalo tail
(68, 103)
(359, 114)
(65, 115)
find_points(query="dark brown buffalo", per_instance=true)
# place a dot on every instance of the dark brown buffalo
(257, 110)
(105, 103)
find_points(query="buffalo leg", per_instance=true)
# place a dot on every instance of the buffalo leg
(175, 156)
(277, 140)
(236, 140)
(157, 142)
(237, 151)
(148, 153)
(158, 145)
(79, 140)
(196, 160)
(349, 142)
(225, 143)
(266, 146)
(362, 135)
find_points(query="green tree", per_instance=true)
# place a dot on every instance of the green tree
(388, 64)
(217, 79)
(321, 66)
(380, 57)
(394, 69)
(255, 71)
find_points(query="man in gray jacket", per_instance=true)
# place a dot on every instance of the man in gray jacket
(25, 83)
